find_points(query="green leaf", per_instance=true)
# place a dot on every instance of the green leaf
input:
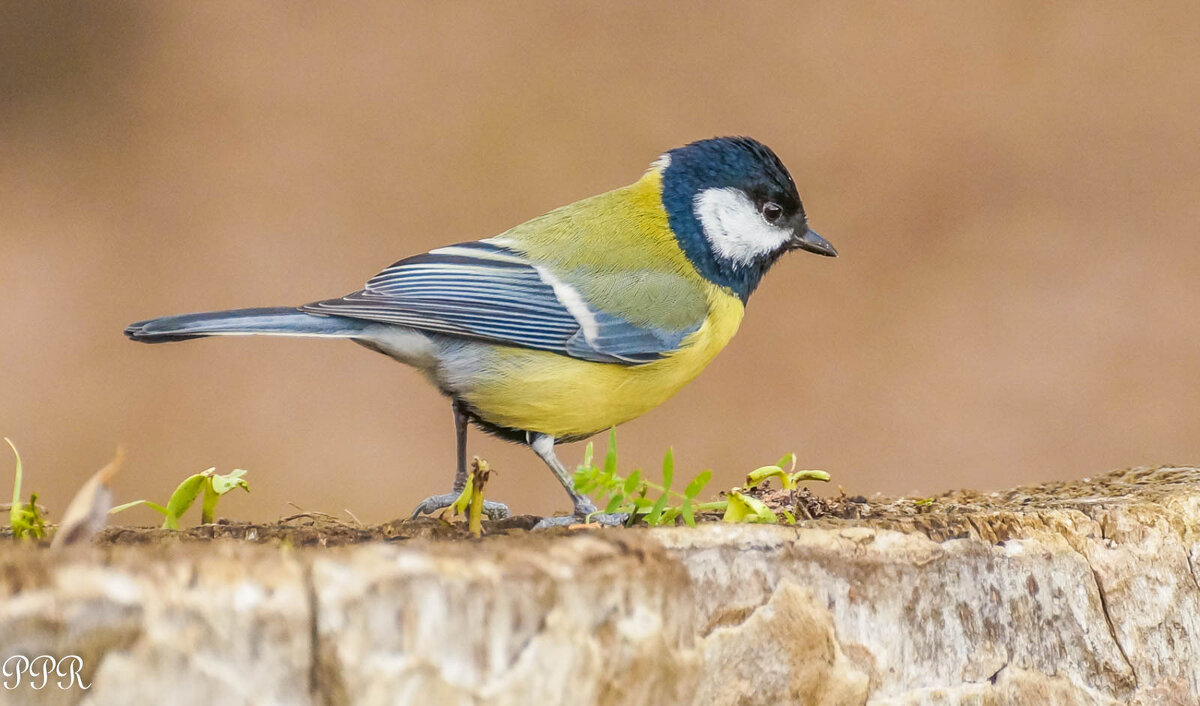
(217, 486)
(585, 473)
(614, 503)
(25, 519)
(583, 483)
(229, 481)
(788, 461)
(184, 496)
(801, 476)
(631, 483)
(642, 502)
(31, 524)
(135, 503)
(607, 480)
(759, 475)
(693, 489)
(668, 472)
(689, 517)
(587, 456)
(610, 458)
(462, 503)
(744, 508)
(657, 510)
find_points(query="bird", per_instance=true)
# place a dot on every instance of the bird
(573, 322)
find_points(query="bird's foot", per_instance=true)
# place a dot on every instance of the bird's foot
(430, 505)
(612, 520)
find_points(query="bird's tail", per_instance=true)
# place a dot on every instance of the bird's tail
(277, 321)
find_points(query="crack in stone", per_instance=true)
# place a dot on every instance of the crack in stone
(1112, 630)
(1075, 542)
(1187, 554)
(314, 644)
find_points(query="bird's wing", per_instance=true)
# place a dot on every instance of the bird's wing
(485, 291)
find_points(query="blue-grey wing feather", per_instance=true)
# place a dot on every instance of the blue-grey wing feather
(485, 291)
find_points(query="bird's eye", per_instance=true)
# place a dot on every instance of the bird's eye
(771, 211)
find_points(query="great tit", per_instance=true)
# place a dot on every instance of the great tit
(573, 322)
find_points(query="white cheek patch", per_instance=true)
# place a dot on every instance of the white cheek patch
(734, 227)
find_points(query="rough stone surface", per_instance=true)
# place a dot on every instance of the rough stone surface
(1072, 593)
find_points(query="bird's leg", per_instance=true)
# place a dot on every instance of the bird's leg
(432, 504)
(543, 446)
(460, 439)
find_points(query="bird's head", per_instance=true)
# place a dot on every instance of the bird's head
(734, 209)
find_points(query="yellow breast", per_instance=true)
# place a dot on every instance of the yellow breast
(571, 398)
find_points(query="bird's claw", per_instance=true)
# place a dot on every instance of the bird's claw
(434, 503)
(495, 510)
(610, 520)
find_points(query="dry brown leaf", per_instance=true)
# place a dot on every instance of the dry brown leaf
(88, 511)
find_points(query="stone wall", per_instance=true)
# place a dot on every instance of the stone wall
(1080, 593)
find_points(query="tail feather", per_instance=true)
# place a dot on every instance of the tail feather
(276, 321)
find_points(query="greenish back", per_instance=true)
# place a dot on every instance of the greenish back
(618, 251)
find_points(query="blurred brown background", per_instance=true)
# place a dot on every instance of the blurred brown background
(1013, 188)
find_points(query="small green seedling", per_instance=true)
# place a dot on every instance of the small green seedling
(208, 482)
(743, 507)
(789, 479)
(25, 519)
(637, 497)
(653, 502)
(470, 501)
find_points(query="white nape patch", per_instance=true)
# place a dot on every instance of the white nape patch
(735, 228)
(574, 303)
(661, 163)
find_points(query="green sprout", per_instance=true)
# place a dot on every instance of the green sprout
(25, 519)
(789, 479)
(743, 507)
(747, 508)
(208, 482)
(637, 497)
(657, 504)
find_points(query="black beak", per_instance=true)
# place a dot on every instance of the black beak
(812, 242)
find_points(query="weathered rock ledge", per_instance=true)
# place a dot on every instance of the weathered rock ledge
(1071, 593)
